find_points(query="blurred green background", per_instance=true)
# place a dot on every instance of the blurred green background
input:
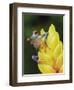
(31, 22)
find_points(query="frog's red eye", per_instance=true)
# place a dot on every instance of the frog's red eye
(36, 32)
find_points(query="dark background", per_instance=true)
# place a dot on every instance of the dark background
(33, 22)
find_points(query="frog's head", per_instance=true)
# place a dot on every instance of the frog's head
(35, 39)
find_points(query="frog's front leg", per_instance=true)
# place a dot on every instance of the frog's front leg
(35, 58)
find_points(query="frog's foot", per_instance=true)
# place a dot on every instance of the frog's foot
(35, 58)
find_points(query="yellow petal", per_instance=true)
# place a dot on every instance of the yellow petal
(61, 69)
(45, 68)
(42, 31)
(51, 30)
(46, 57)
(53, 37)
(59, 62)
(52, 42)
(58, 50)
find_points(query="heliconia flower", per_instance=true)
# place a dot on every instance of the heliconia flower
(50, 54)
